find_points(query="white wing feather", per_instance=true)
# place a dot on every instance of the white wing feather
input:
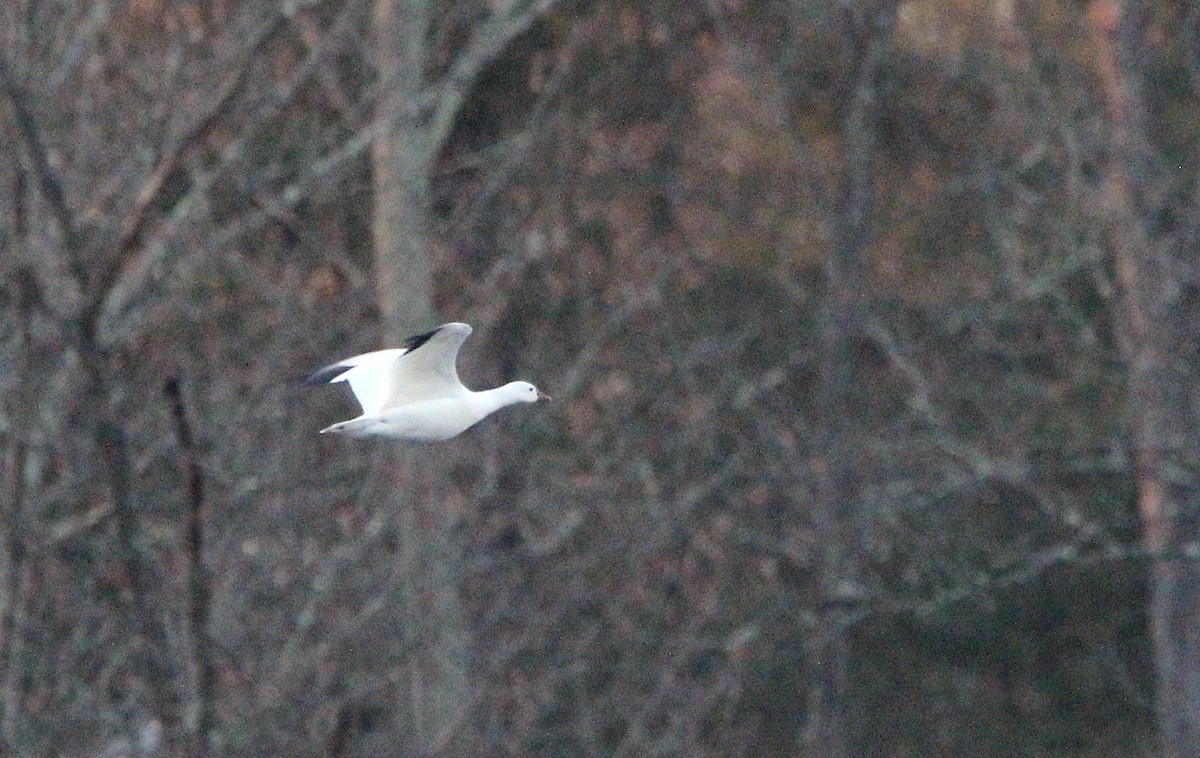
(384, 379)
(427, 371)
(368, 376)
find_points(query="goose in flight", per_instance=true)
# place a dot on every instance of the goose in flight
(413, 392)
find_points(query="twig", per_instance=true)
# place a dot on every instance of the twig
(48, 180)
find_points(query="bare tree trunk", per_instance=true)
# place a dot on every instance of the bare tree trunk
(200, 648)
(1152, 269)
(15, 568)
(401, 158)
(843, 329)
(417, 116)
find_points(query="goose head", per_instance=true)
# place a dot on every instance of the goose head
(524, 392)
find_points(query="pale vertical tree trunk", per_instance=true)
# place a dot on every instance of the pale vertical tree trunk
(417, 117)
(1152, 268)
(400, 160)
(434, 695)
(435, 631)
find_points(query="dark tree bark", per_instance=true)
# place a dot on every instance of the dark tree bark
(840, 440)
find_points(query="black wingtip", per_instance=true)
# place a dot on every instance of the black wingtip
(414, 342)
(324, 376)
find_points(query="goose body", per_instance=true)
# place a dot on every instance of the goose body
(414, 393)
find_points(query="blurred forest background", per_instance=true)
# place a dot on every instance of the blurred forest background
(872, 328)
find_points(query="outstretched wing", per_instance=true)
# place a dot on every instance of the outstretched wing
(423, 369)
(426, 370)
(368, 375)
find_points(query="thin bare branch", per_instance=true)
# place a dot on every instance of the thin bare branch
(49, 182)
(509, 20)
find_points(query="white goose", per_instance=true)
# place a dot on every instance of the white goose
(413, 392)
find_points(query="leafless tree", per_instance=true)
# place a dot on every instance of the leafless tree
(858, 377)
(1157, 275)
(135, 126)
